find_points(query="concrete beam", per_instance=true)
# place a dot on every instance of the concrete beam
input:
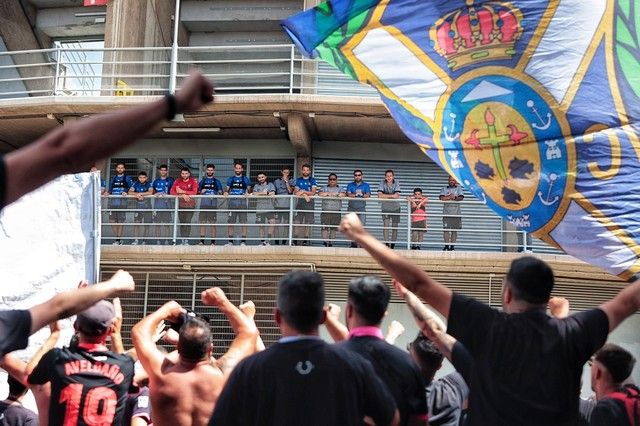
(299, 135)
(237, 15)
(63, 22)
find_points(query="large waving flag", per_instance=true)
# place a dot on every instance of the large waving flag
(532, 104)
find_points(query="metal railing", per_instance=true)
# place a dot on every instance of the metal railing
(84, 71)
(253, 220)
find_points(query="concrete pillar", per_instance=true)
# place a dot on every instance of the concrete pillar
(300, 139)
(140, 23)
(18, 34)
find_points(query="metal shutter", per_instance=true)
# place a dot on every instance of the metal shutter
(481, 228)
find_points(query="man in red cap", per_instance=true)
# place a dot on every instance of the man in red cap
(89, 383)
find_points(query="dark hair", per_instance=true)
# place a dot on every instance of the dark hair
(194, 340)
(306, 165)
(417, 190)
(143, 173)
(389, 171)
(357, 171)
(185, 169)
(210, 165)
(236, 163)
(301, 299)
(16, 388)
(261, 173)
(530, 279)
(332, 174)
(285, 167)
(369, 296)
(120, 162)
(163, 166)
(618, 361)
(427, 352)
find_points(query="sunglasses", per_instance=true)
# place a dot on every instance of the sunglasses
(333, 179)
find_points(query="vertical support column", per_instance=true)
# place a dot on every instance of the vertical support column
(146, 295)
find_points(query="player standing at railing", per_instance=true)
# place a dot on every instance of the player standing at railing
(211, 186)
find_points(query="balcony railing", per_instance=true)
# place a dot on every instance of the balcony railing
(253, 220)
(237, 70)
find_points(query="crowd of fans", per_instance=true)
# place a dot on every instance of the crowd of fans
(515, 366)
(153, 209)
(527, 359)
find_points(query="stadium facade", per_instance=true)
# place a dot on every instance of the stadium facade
(61, 60)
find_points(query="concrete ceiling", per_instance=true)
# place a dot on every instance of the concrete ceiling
(45, 4)
(247, 117)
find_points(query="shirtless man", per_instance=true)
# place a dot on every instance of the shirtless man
(184, 389)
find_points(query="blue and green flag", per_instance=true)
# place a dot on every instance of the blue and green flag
(533, 105)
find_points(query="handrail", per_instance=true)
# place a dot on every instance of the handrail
(97, 71)
(183, 224)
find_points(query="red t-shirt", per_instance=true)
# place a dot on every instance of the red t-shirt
(190, 186)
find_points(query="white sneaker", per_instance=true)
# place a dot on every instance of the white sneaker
(229, 244)
(185, 242)
(266, 243)
(116, 243)
(135, 242)
(242, 244)
(143, 243)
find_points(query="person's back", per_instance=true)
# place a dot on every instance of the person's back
(618, 401)
(302, 380)
(527, 365)
(306, 381)
(185, 393)
(367, 302)
(397, 370)
(12, 413)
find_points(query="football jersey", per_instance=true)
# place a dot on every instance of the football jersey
(162, 187)
(119, 185)
(211, 186)
(142, 187)
(89, 385)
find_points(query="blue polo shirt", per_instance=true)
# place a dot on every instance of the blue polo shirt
(352, 188)
(211, 186)
(142, 187)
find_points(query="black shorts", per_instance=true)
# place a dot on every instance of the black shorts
(264, 217)
(330, 219)
(451, 223)
(282, 214)
(306, 217)
(240, 217)
(420, 225)
(394, 217)
(208, 216)
(117, 216)
(143, 216)
(163, 216)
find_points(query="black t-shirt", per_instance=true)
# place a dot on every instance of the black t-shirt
(3, 179)
(445, 399)
(527, 366)
(16, 415)
(138, 405)
(15, 327)
(304, 382)
(610, 412)
(89, 384)
(397, 370)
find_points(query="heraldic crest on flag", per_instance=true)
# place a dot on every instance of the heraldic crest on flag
(532, 105)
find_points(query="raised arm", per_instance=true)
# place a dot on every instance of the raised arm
(244, 343)
(623, 305)
(144, 341)
(75, 147)
(337, 330)
(410, 275)
(116, 336)
(71, 302)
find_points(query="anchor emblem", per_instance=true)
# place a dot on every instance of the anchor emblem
(552, 178)
(448, 136)
(305, 368)
(543, 125)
